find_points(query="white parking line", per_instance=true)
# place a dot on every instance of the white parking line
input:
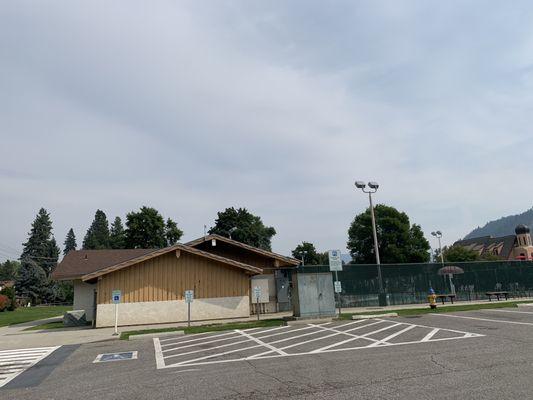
(510, 311)
(483, 319)
(217, 353)
(268, 346)
(15, 362)
(430, 335)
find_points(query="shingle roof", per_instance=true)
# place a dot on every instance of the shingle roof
(159, 252)
(483, 243)
(265, 253)
(81, 262)
(88, 264)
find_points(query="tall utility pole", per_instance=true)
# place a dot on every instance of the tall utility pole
(383, 297)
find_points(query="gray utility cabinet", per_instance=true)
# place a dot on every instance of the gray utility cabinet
(313, 295)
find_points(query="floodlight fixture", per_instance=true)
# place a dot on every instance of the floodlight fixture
(373, 185)
(360, 184)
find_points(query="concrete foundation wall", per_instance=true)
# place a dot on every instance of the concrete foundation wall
(155, 312)
(84, 298)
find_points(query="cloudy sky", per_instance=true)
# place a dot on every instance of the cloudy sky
(277, 106)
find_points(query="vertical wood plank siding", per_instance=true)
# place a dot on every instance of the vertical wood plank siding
(167, 277)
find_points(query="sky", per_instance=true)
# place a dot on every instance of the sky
(277, 106)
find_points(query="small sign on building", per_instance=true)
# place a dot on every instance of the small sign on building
(257, 294)
(335, 261)
(189, 296)
(116, 296)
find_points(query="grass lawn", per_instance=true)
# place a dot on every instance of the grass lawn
(209, 328)
(26, 314)
(441, 309)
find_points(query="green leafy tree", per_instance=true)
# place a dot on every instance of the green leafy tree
(9, 270)
(70, 242)
(398, 240)
(145, 229)
(9, 292)
(308, 252)
(241, 225)
(97, 236)
(172, 232)
(463, 254)
(117, 234)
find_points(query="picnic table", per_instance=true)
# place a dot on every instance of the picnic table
(498, 295)
(445, 296)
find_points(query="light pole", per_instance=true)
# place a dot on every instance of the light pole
(304, 253)
(232, 230)
(382, 297)
(438, 235)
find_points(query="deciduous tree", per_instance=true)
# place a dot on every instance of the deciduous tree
(241, 225)
(399, 241)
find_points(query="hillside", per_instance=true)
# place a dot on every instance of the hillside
(503, 226)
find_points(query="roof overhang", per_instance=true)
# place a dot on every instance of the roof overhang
(279, 260)
(249, 269)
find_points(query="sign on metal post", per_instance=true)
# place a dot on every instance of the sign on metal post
(189, 297)
(116, 297)
(257, 296)
(335, 264)
(335, 261)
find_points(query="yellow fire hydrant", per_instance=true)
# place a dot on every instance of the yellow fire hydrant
(432, 298)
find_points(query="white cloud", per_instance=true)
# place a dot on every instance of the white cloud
(192, 107)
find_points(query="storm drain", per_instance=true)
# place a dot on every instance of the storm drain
(124, 356)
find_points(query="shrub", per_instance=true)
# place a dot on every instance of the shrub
(4, 302)
(9, 292)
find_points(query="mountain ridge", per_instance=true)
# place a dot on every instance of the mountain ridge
(503, 226)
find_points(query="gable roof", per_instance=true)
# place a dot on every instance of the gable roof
(483, 243)
(82, 262)
(156, 253)
(256, 250)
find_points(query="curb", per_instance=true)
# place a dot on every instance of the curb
(303, 321)
(369, 316)
(525, 304)
(154, 335)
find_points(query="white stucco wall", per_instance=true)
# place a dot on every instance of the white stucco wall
(84, 297)
(156, 312)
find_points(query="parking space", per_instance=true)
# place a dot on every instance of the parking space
(286, 341)
(15, 362)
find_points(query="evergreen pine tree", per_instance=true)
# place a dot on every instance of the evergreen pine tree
(39, 257)
(70, 242)
(117, 235)
(97, 236)
(172, 232)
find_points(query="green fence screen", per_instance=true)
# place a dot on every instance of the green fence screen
(410, 283)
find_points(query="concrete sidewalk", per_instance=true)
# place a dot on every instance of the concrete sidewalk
(16, 337)
(358, 310)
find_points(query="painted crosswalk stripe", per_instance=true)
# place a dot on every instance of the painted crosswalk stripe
(15, 362)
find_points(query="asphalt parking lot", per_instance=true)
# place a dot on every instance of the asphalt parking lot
(475, 355)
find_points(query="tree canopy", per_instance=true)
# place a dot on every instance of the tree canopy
(117, 234)
(70, 242)
(9, 270)
(241, 225)
(310, 254)
(146, 228)
(39, 257)
(398, 240)
(97, 236)
(463, 254)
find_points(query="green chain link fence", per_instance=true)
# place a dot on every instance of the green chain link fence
(410, 283)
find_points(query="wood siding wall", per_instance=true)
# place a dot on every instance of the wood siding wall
(238, 254)
(167, 277)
